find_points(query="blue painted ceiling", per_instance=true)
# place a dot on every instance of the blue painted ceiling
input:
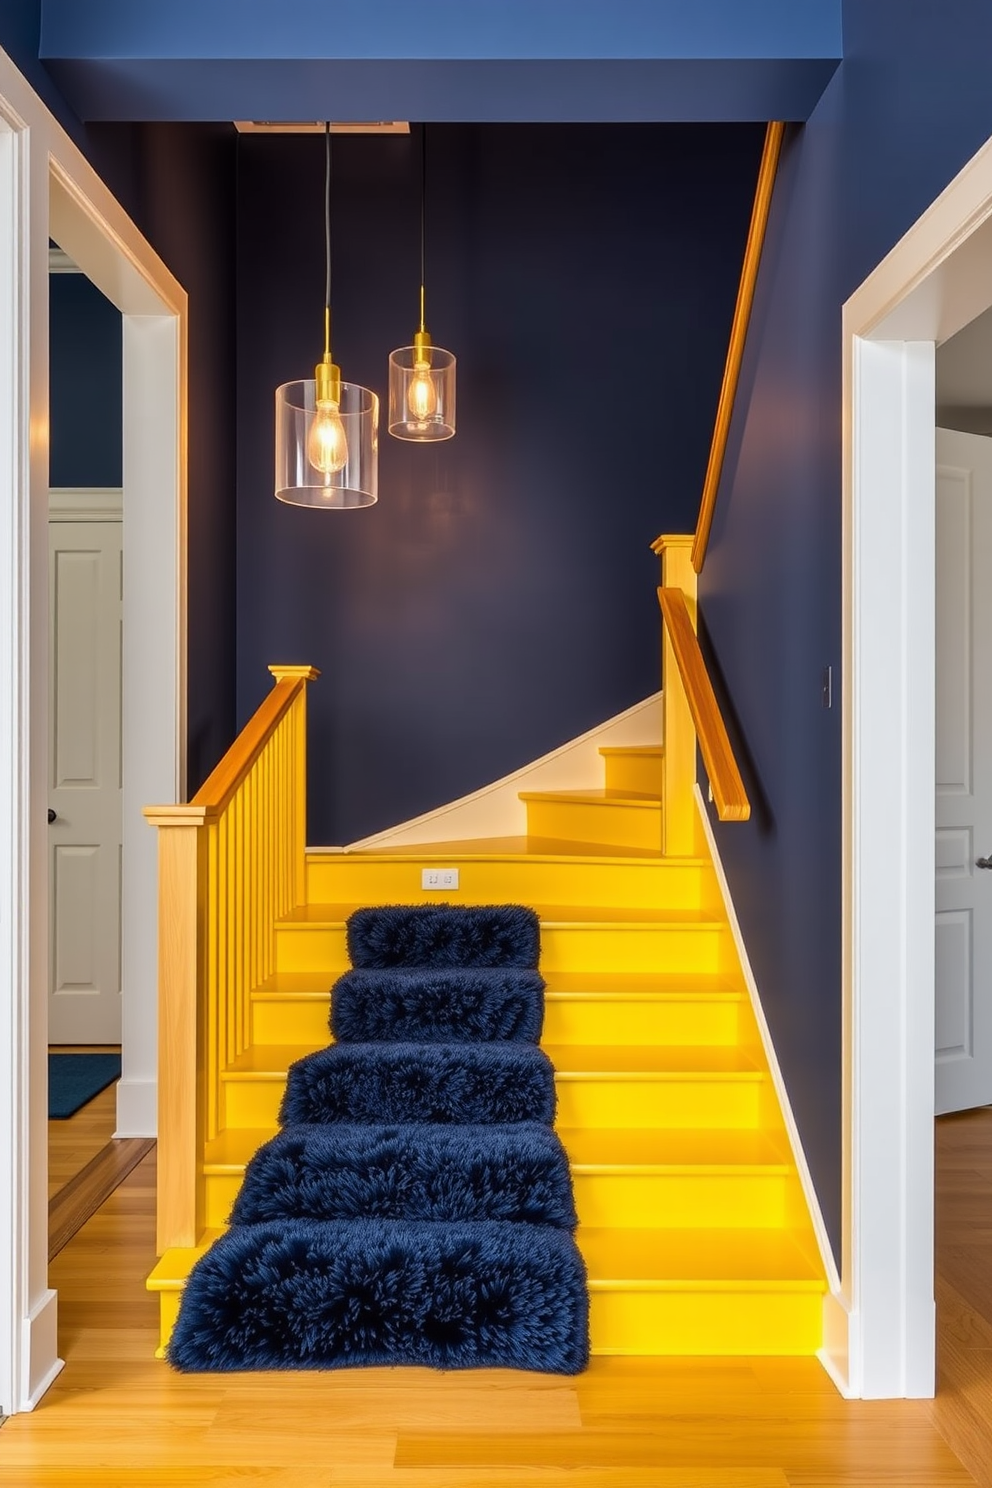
(491, 60)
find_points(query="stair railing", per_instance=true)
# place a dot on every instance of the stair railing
(231, 862)
(689, 708)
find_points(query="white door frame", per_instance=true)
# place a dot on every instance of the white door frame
(880, 1326)
(47, 187)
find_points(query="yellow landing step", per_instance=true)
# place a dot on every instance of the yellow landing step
(574, 938)
(636, 768)
(653, 1291)
(514, 870)
(579, 1008)
(617, 818)
(639, 1178)
(602, 1085)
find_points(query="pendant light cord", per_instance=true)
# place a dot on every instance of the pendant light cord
(423, 219)
(327, 238)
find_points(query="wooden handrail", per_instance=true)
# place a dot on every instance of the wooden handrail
(738, 336)
(220, 785)
(725, 780)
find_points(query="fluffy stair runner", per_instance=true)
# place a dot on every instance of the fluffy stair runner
(416, 1207)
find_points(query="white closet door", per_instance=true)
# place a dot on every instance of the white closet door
(964, 772)
(85, 782)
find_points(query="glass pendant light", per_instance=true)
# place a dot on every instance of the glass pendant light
(422, 376)
(327, 431)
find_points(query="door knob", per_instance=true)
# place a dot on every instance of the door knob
(52, 816)
(983, 863)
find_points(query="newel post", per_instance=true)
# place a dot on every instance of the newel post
(679, 764)
(181, 890)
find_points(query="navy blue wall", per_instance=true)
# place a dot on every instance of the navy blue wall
(499, 599)
(84, 385)
(910, 105)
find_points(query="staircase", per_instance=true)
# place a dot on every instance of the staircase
(693, 1225)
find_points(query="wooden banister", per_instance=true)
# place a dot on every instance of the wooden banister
(738, 336)
(231, 862)
(725, 780)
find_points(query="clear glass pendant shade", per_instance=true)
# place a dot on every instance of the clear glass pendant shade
(327, 456)
(421, 394)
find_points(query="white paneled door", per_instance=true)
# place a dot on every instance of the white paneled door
(84, 801)
(964, 772)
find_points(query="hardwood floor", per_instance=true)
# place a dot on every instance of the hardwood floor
(962, 1409)
(73, 1142)
(116, 1416)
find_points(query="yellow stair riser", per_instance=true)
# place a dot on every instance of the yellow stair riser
(642, 773)
(645, 885)
(301, 1018)
(709, 1102)
(221, 1192)
(761, 1321)
(289, 1019)
(611, 824)
(697, 1101)
(615, 1019)
(707, 949)
(639, 946)
(681, 1200)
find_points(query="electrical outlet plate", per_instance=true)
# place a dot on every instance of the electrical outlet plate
(439, 878)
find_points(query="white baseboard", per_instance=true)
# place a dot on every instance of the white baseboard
(40, 1343)
(497, 811)
(835, 1355)
(137, 1108)
(799, 1156)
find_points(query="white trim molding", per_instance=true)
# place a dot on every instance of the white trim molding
(933, 282)
(85, 503)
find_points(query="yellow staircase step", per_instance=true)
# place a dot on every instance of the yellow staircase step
(605, 1085)
(662, 1179)
(708, 1086)
(636, 768)
(514, 870)
(618, 818)
(658, 1291)
(658, 1178)
(702, 1291)
(573, 938)
(590, 1008)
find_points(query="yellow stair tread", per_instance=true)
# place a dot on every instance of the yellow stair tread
(173, 1266)
(633, 751)
(333, 916)
(230, 1150)
(640, 984)
(602, 797)
(502, 849)
(267, 1061)
(571, 1061)
(717, 1259)
(666, 1149)
(656, 1260)
(653, 1061)
(633, 986)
